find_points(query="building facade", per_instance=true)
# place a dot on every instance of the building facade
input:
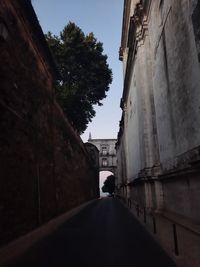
(159, 138)
(107, 153)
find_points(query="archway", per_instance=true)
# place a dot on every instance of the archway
(102, 177)
(105, 150)
(103, 156)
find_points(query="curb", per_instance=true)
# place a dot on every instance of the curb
(20, 245)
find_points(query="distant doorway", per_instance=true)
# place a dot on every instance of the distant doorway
(102, 177)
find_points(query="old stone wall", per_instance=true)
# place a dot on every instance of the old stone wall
(161, 95)
(121, 163)
(44, 167)
(176, 80)
(160, 122)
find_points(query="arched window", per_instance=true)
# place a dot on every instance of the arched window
(104, 162)
(104, 150)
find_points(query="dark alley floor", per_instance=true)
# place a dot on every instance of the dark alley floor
(105, 234)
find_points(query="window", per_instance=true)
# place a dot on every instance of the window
(104, 162)
(104, 150)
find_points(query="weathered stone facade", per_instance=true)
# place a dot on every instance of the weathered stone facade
(158, 142)
(44, 167)
(107, 153)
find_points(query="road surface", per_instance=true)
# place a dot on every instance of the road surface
(103, 234)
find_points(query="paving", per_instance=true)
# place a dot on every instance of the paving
(105, 234)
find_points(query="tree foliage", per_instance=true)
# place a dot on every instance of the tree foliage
(84, 73)
(109, 185)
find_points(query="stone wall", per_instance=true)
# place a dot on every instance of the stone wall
(160, 126)
(44, 167)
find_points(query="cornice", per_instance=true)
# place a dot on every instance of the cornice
(125, 25)
(137, 31)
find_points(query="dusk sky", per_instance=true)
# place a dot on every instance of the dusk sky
(104, 19)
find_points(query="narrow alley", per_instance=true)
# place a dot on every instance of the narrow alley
(105, 234)
(59, 63)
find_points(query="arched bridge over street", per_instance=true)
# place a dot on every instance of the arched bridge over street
(103, 153)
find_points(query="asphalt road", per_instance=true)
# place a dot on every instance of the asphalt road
(104, 234)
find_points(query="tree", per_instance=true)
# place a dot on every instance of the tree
(84, 73)
(109, 184)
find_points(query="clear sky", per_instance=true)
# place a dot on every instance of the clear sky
(104, 19)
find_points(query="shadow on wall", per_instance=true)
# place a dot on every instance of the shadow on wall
(196, 24)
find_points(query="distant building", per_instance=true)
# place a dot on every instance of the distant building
(107, 153)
